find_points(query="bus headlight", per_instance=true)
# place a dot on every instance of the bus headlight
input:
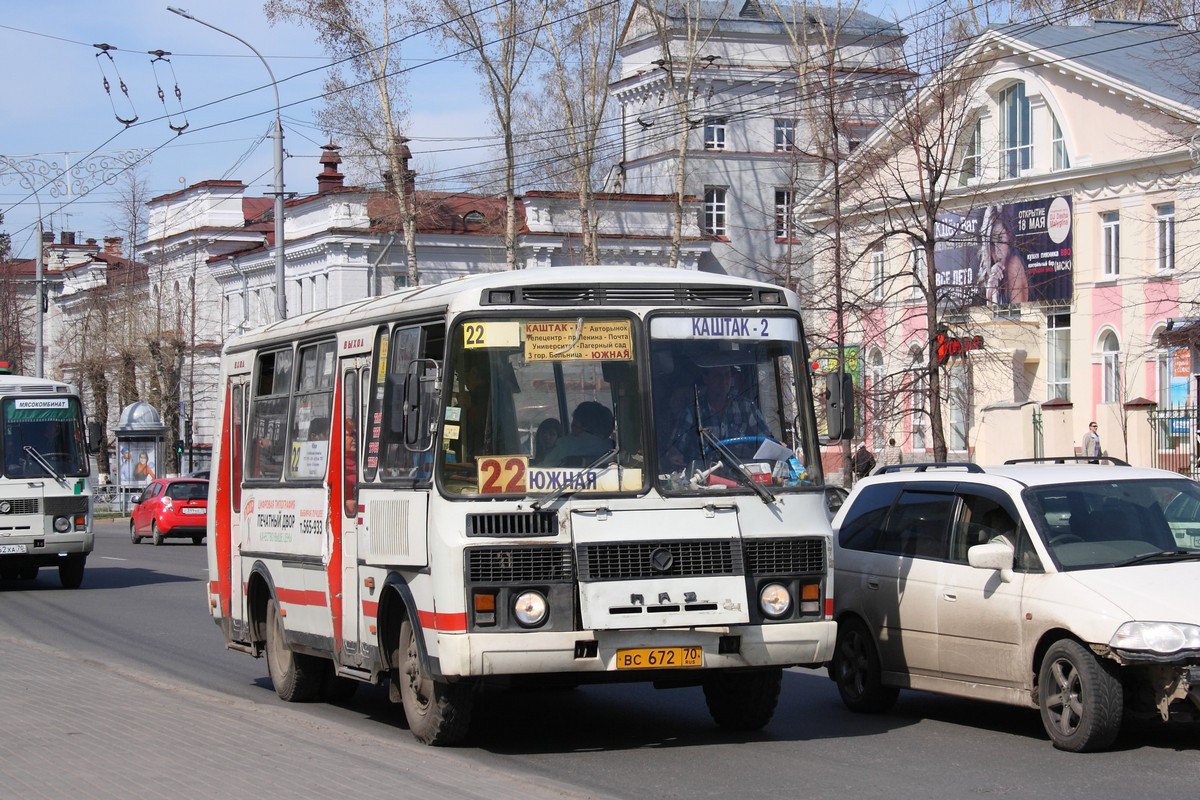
(530, 609)
(775, 600)
(62, 524)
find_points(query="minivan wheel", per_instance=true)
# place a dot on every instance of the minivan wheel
(1080, 698)
(857, 671)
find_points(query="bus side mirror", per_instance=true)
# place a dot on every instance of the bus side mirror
(839, 405)
(93, 437)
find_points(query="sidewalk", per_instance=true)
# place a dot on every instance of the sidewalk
(80, 728)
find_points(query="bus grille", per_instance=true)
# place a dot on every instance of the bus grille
(541, 523)
(785, 556)
(500, 565)
(628, 560)
(24, 505)
(75, 504)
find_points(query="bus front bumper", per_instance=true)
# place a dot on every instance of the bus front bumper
(729, 647)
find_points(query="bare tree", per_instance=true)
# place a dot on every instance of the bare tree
(365, 100)
(568, 118)
(501, 38)
(683, 29)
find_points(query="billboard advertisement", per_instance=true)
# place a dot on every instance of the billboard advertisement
(1006, 254)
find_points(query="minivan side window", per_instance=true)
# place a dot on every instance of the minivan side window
(863, 525)
(919, 526)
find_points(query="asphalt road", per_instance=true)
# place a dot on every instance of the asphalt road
(143, 608)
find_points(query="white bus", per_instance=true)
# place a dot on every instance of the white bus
(381, 508)
(46, 487)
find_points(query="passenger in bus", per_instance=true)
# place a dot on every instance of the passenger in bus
(318, 429)
(590, 437)
(546, 437)
(725, 414)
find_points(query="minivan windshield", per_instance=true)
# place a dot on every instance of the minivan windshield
(1118, 523)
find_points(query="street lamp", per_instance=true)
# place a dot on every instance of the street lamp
(280, 295)
(39, 266)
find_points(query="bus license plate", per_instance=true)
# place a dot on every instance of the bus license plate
(7, 549)
(660, 657)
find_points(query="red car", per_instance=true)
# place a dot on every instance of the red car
(170, 507)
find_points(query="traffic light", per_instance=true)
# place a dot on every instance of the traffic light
(187, 431)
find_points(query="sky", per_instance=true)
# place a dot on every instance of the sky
(58, 112)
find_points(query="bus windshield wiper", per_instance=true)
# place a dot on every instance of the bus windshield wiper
(735, 464)
(41, 460)
(571, 486)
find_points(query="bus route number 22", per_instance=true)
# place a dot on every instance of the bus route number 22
(502, 474)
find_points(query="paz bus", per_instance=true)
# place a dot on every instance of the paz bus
(381, 508)
(46, 487)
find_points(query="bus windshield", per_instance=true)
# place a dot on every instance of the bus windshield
(50, 427)
(728, 407)
(540, 405)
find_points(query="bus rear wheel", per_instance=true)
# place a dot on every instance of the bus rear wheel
(296, 676)
(438, 713)
(743, 701)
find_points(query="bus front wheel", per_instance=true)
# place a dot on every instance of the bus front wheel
(743, 701)
(70, 571)
(438, 713)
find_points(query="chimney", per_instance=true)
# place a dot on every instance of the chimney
(330, 178)
(112, 245)
(66, 237)
(47, 237)
(403, 154)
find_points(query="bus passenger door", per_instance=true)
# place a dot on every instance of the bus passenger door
(344, 511)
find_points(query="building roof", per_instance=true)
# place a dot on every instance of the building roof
(1139, 54)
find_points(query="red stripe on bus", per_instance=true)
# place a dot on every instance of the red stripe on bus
(333, 513)
(829, 607)
(222, 528)
(300, 597)
(452, 623)
(371, 609)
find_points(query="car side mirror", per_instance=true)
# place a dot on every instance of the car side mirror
(993, 555)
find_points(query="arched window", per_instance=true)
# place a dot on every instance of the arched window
(1016, 131)
(1059, 157)
(1110, 351)
(970, 164)
(875, 397)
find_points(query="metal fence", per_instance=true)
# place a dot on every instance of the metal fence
(1174, 432)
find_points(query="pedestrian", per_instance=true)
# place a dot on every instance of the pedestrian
(891, 454)
(864, 461)
(1091, 444)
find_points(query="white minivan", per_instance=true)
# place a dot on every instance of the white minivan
(1067, 587)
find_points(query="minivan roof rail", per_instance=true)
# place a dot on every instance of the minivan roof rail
(923, 467)
(1068, 460)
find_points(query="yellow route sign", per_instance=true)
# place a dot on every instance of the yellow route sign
(579, 340)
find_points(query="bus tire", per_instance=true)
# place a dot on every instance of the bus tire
(438, 713)
(70, 571)
(743, 700)
(296, 676)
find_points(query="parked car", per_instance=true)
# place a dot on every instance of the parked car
(170, 507)
(1068, 587)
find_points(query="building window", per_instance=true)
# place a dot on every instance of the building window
(1164, 218)
(1111, 360)
(784, 214)
(714, 211)
(785, 135)
(971, 166)
(1110, 243)
(959, 401)
(1058, 147)
(1058, 354)
(875, 396)
(714, 133)
(877, 275)
(917, 365)
(1016, 142)
(919, 269)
